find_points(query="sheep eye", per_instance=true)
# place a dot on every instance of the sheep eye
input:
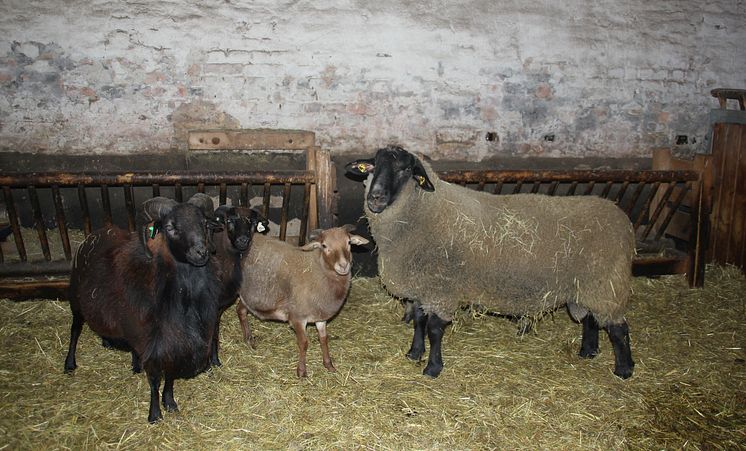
(323, 245)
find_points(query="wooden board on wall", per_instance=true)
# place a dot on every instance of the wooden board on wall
(728, 238)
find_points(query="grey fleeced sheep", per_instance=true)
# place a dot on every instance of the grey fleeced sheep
(299, 285)
(444, 246)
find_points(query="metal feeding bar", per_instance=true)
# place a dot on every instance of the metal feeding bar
(34, 201)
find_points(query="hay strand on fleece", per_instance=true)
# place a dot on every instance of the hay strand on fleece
(497, 390)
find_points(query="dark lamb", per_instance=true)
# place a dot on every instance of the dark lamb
(231, 244)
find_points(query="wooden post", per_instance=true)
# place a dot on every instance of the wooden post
(326, 187)
(313, 216)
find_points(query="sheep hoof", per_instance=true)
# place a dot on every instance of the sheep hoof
(152, 419)
(415, 354)
(329, 366)
(171, 406)
(624, 372)
(70, 370)
(432, 371)
(588, 353)
(301, 372)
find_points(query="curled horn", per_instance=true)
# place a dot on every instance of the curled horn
(151, 212)
(204, 203)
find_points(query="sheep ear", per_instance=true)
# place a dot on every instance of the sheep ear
(348, 227)
(420, 176)
(311, 246)
(358, 240)
(262, 223)
(360, 167)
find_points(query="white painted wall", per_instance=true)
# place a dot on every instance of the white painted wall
(605, 78)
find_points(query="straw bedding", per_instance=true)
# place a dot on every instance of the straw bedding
(500, 391)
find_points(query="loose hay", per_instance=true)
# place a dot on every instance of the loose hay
(496, 391)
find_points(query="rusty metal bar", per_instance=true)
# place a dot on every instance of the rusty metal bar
(156, 190)
(284, 213)
(14, 225)
(61, 222)
(83, 199)
(580, 176)
(620, 194)
(223, 194)
(178, 193)
(573, 187)
(607, 189)
(518, 186)
(265, 201)
(148, 178)
(106, 203)
(243, 199)
(648, 201)
(671, 211)
(553, 188)
(589, 189)
(129, 202)
(498, 188)
(36, 268)
(635, 197)
(658, 210)
(39, 222)
(304, 216)
(201, 187)
(480, 186)
(535, 188)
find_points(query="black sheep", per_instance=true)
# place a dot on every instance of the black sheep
(239, 225)
(154, 294)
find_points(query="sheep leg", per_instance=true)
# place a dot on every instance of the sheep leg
(418, 340)
(154, 413)
(242, 313)
(589, 342)
(136, 365)
(168, 396)
(435, 329)
(619, 335)
(324, 340)
(302, 339)
(75, 330)
(214, 360)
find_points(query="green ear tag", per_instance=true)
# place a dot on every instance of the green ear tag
(153, 231)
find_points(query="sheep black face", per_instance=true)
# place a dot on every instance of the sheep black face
(187, 230)
(392, 168)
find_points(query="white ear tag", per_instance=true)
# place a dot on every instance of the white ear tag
(260, 228)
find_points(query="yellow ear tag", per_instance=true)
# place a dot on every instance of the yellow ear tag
(362, 168)
(421, 180)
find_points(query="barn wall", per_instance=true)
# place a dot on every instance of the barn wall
(463, 80)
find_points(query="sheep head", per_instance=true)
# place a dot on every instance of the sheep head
(391, 169)
(335, 247)
(184, 226)
(240, 223)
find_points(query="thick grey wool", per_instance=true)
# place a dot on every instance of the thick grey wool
(521, 255)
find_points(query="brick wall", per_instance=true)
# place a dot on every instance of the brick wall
(453, 79)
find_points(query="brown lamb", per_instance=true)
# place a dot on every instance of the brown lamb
(299, 285)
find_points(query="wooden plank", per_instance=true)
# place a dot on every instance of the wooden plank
(26, 290)
(326, 187)
(738, 204)
(252, 139)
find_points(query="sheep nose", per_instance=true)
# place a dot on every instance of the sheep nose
(377, 201)
(342, 268)
(242, 242)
